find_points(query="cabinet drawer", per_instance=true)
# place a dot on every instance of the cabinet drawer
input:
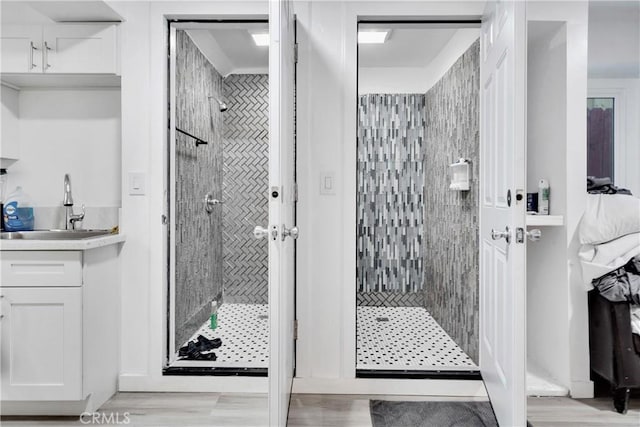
(41, 268)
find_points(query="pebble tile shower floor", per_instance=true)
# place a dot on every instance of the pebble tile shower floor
(244, 331)
(389, 338)
(405, 338)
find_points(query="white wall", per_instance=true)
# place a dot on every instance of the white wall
(10, 123)
(614, 40)
(547, 299)
(326, 248)
(327, 142)
(69, 131)
(575, 15)
(416, 79)
(144, 310)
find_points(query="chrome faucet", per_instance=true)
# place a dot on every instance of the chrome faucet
(67, 201)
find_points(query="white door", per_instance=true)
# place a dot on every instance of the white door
(502, 211)
(21, 47)
(41, 346)
(79, 48)
(282, 197)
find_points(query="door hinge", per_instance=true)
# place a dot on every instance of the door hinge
(295, 192)
(164, 220)
(295, 329)
(295, 53)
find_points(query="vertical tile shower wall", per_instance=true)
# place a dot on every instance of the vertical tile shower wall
(198, 248)
(451, 283)
(245, 187)
(390, 210)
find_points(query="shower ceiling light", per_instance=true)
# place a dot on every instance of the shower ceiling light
(373, 36)
(260, 39)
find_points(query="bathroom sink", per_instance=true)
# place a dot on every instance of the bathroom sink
(53, 234)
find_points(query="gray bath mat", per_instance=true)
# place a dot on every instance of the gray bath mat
(386, 413)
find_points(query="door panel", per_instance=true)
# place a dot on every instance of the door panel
(76, 48)
(502, 145)
(50, 319)
(21, 47)
(281, 207)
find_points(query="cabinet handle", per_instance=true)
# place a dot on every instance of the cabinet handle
(33, 47)
(46, 56)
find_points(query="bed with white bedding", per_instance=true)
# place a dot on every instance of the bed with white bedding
(610, 257)
(610, 237)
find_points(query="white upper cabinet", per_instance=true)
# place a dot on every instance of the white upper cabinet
(60, 49)
(21, 47)
(79, 49)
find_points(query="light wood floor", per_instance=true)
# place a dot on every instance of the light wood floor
(250, 410)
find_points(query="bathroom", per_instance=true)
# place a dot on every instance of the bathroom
(417, 252)
(218, 292)
(173, 193)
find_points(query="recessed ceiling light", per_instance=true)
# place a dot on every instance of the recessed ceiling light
(373, 36)
(260, 39)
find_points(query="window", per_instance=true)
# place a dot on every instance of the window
(600, 137)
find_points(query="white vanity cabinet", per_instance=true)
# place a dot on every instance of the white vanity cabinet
(41, 343)
(59, 330)
(59, 49)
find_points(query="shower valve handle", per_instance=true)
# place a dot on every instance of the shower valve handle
(260, 232)
(210, 202)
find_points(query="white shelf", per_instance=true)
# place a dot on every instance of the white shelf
(64, 81)
(544, 220)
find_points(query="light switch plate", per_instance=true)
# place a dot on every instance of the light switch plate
(137, 183)
(327, 183)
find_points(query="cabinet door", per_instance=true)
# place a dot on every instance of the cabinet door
(21, 47)
(80, 48)
(41, 344)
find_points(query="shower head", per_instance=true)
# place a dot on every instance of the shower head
(223, 107)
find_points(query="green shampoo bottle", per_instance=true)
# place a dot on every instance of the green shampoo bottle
(214, 315)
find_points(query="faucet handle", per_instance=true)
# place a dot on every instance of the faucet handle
(73, 218)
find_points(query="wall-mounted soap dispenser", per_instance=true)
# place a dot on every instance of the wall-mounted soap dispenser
(460, 175)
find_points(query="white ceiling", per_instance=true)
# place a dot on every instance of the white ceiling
(410, 47)
(231, 49)
(43, 12)
(240, 48)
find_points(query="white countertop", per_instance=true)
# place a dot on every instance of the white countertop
(61, 245)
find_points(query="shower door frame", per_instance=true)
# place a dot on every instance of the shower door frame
(170, 196)
(434, 372)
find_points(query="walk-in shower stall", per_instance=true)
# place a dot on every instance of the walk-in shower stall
(218, 180)
(417, 239)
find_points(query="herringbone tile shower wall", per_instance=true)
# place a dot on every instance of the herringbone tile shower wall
(198, 171)
(390, 210)
(245, 187)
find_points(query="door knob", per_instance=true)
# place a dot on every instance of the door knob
(534, 235)
(260, 232)
(497, 235)
(291, 232)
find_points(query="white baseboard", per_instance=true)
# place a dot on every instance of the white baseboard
(466, 388)
(581, 389)
(213, 384)
(47, 408)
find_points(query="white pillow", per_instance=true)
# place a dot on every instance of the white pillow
(609, 216)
